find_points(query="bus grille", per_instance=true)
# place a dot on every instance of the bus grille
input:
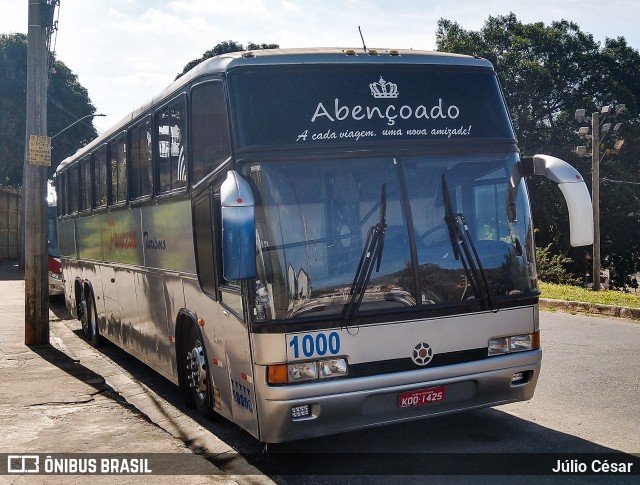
(406, 364)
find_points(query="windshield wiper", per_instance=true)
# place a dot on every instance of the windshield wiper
(371, 255)
(464, 250)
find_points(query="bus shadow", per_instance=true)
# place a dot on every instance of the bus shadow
(396, 453)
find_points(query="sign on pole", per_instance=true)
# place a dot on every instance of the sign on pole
(40, 150)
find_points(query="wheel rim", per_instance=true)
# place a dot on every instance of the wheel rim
(197, 370)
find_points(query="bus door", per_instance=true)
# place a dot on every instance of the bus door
(228, 346)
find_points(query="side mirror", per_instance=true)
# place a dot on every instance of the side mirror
(238, 228)
(575, 193)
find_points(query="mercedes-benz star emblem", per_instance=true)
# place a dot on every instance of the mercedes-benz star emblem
(422, 353)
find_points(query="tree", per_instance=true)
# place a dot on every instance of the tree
(547, 72)
(67, 102)
(225, 47)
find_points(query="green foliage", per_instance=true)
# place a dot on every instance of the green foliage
(547, 72)
(551, 267)
(225, 47)
(574, 293)
(67, 102)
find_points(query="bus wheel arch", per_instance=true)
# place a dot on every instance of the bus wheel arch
(193, 369)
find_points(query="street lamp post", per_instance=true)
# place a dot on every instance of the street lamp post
(595, 195)
(598, 133)
(76, 122)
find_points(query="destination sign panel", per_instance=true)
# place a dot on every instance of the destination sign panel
(346, 104)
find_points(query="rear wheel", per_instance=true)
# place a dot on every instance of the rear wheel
(92, 316)
(89, 319)
(195, 376)
(83, 316)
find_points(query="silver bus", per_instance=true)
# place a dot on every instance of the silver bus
(316, 241)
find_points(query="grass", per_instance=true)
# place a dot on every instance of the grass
(576, 293)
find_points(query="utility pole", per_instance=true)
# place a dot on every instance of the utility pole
(598, 135)
(34, 194)
(595, 195)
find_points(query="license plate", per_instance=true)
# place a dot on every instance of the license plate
(421, 397)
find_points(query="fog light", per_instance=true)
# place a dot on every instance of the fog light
(498, 346)
(300, 411)
(305, 371)
(332, 368)
(517, 378)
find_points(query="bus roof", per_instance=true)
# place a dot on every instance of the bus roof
(310, 56)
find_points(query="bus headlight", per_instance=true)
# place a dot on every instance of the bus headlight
(332, 368)
(499, 346)
(519, 343)
(515, 343)
(306, 371)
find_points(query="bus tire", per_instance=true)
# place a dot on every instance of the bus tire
(88, 316)
(197, 385)
(92, 321)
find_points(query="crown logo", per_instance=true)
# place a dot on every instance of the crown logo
(383, 89)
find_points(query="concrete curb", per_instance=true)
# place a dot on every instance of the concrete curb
(594, 309)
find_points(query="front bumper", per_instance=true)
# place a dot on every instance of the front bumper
(356, 403)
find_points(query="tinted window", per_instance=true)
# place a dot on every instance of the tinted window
(72, 189)
(60, 190)
(100, 176)
(172, 146)
(85, 184)
(347, 104)
(210, 129)
(118, 163)
(204, 243)
(140, 149)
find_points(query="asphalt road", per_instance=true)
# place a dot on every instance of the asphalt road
(587, 401)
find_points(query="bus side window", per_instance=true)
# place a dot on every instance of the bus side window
(100, 177)
(172, 146)
(60, 178)
(118, 162)
(72, 190)
(203, 238)
(85, 184)
(140, 149)
(211, 144)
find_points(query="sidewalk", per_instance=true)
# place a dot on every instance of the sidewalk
(590, 309)
(54, 399)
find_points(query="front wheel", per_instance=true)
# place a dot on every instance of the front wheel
(195, 375)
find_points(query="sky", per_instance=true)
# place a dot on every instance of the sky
(126, 51)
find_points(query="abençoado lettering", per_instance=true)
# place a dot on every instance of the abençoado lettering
(358, 112)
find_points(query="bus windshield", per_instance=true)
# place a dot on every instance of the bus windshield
(313, 219)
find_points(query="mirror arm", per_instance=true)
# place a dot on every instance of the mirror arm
(575, 192)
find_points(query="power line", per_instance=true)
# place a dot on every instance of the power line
(604, 179)
(72, 116)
